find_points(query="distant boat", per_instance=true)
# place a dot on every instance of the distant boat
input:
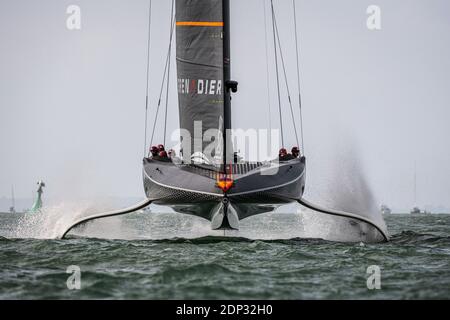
(385, 209)
(12, 209)
(416, 211)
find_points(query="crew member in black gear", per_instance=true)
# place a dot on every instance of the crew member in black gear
(284, 156)
(154, 151)
(295, 152)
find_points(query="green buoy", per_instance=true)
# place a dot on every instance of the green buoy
(38, 203)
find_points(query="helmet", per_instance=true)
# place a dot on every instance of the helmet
(282, 152)
(161, 147)
(154, 150)
(295, 151)
(163, 154)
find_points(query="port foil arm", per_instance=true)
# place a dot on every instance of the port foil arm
(95, 216)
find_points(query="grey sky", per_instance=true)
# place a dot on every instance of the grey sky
(72, 102)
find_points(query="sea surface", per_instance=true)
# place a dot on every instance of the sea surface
(195, 264)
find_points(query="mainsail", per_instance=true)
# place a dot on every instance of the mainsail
(200, 68)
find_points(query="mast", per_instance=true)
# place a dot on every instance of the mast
(227, 77)
(230, 85)
(415, 184)
(13, 208)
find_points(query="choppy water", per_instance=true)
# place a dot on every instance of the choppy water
(414, 264)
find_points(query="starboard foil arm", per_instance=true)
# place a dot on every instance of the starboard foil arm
(338, 213)
(95, 216)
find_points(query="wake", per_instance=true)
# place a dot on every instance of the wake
(52, 221)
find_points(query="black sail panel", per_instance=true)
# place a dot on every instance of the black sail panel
(199, 35)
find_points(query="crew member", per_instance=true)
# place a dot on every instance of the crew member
(162, 156)
(284, 156)
(295, 152)
(172, 153)
(154, 151)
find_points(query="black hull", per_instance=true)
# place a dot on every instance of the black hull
(193, 190)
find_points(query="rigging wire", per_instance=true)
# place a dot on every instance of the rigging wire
(159, 99)
(266, 42)
(298, 77)
(148, 75)
(163, 81)
(172, 26)
(278, 78)
(286, 80)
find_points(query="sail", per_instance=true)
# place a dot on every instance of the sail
(200, 73)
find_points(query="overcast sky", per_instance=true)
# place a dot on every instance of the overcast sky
(376, 103)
